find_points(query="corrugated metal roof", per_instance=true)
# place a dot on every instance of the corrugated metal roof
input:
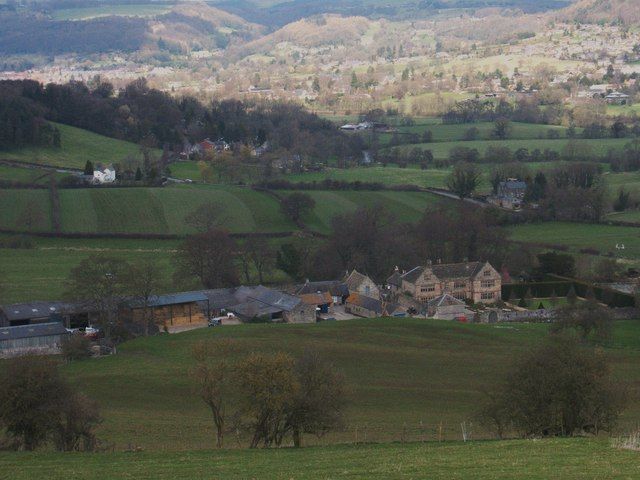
(178, 298)
(29, 331)
(25, 311)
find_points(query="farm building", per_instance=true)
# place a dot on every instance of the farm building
(447, 307)
(322, 302)
(263, 303)
(70, 314)
(41, 338)
(368, 307)
(338, 290)
(176, 311)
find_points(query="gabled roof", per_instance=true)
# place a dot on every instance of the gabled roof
(514, 185)
(316, 298)
(26, 311)
(29, 331)
(445, 270)
(355, 279)
(257, 301)
(336, 288)
(367, 303)
(178, 298)
(395, 279)
(445, 300)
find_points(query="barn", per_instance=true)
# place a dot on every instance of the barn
(41, 338)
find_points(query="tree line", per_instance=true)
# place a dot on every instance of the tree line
(154, 119)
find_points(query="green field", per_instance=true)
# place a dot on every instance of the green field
(567, 459)
(577, 236)
(406, 206)
(39, 273)
(77, 146)
(143, 10)
(408, 378)
(456, 132)
(163, 210)
(597, 147)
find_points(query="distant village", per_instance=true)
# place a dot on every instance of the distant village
(463, 292)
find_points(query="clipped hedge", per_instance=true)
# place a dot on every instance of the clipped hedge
(561, 288)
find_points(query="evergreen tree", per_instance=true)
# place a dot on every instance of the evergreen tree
(88, 168)
(138, 174)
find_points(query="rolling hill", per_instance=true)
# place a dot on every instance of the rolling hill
(613, 11)
(406, 377)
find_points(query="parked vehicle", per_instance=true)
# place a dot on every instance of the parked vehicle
(217, 321)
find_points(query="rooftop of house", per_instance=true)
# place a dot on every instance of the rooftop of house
(445, 300)
(336, 288)
(513, 185)
(316, 298)
(367, 303)
(440, 270)
(355, 279)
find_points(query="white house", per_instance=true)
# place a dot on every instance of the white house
(108, 175)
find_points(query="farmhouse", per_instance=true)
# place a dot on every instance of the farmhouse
(361, 284)
(108, 175)
(42, 338)
(510, 194)
(474, 281)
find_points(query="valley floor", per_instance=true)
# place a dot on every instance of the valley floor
(531, 459)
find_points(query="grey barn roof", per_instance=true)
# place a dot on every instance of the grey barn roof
(178, 298)
(25, 311)
(29, 331)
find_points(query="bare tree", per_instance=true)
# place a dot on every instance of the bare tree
(210, 258)
(208, 216)
(268, 385)
(38, 405)
(317, 407)
(558, 389)
(99, 282)
(213, 383)
(144, 282)
(297, 205)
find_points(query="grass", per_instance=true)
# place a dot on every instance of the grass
(163, 210)
(147, 210)
(597, 147)
(579, 236)
(40, 273)
(28, 175)
(406, 206)
(569, 459)
(77, 146)
(144, 10)
(406, 377)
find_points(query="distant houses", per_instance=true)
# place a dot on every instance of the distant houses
(101, 177)
(510, 194)
(441, 291)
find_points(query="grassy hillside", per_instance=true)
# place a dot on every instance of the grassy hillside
(406, 377)
(39, 273)
(577, 236)
(163, 210)
(569, 459)
(598, 147)
(77, 146)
